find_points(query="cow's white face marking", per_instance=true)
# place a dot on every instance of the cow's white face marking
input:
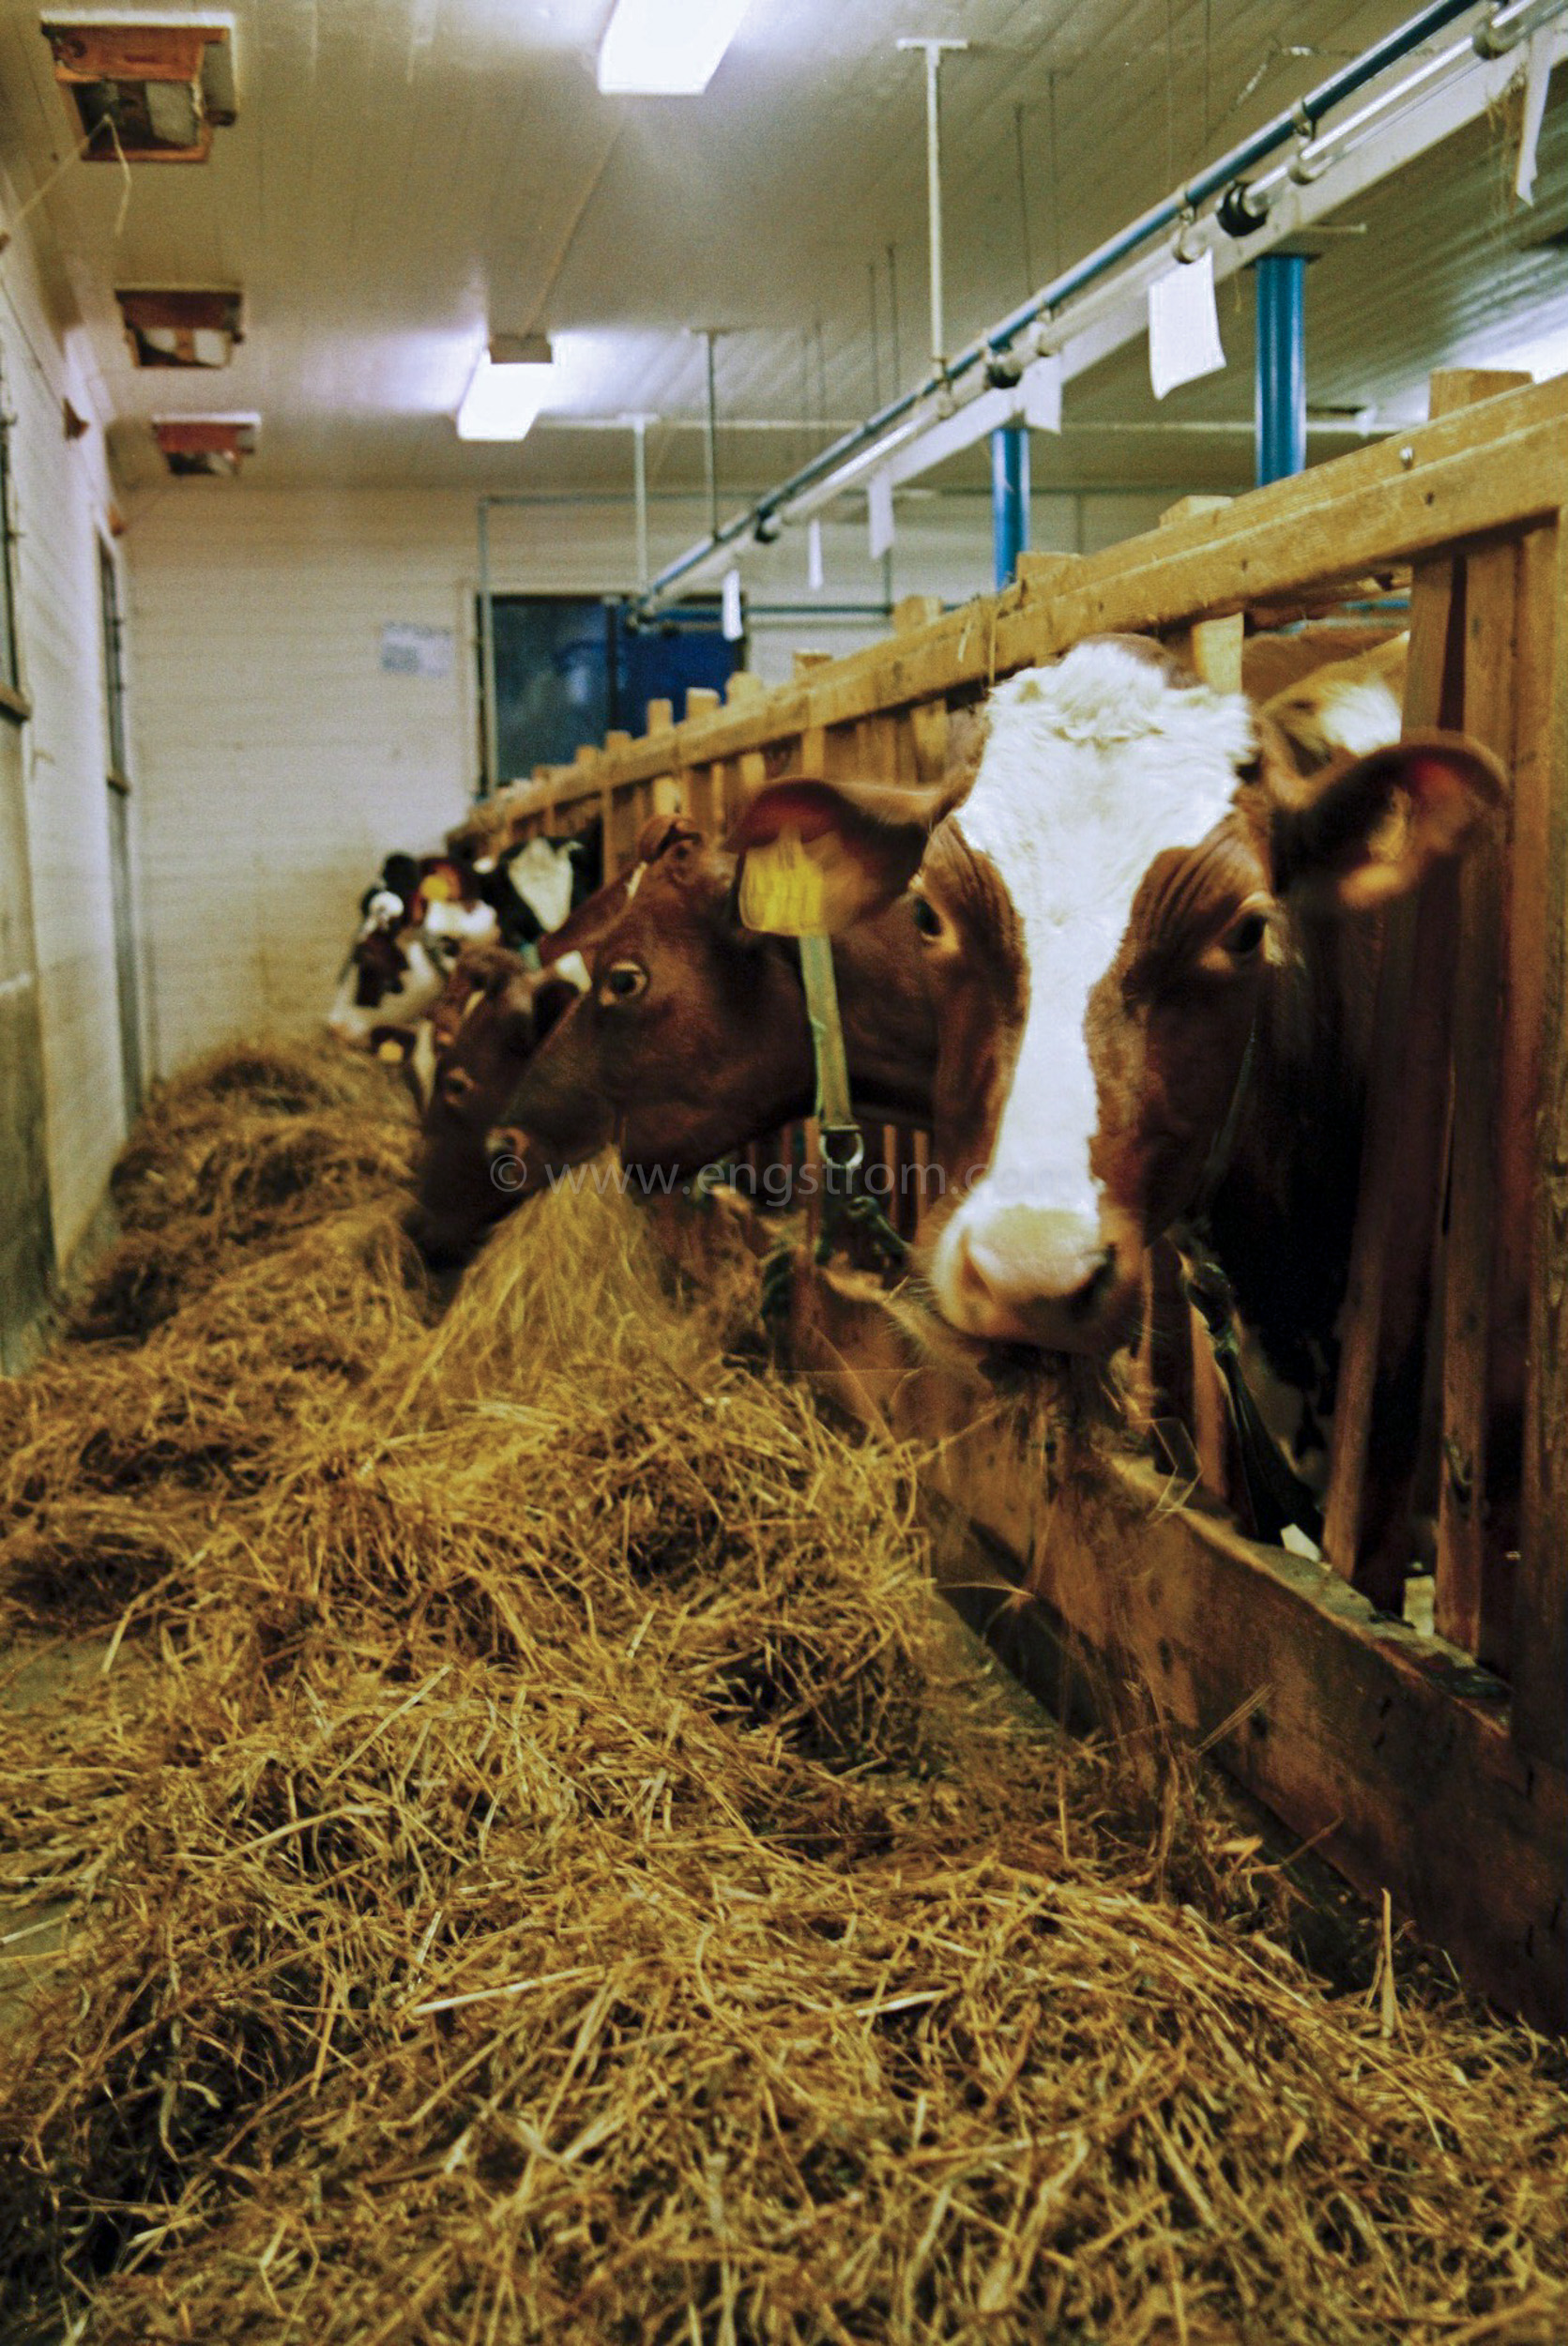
(468, 923)
(1089, 769)
(540, 876)
(574, 969)
(1361, 716)
(385, 910)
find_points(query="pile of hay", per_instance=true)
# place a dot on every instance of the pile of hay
(533, 1869)
(243, 1148)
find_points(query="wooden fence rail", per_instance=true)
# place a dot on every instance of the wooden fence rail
(1431, 1767)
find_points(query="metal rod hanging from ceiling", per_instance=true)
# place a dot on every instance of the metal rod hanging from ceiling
(1291, 127)
(492, 778)
(639, 485)
(932, 49)
(712, 438)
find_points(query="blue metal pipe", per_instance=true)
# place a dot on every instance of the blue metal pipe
(1281, 404)
(1009, 498)
(1284, 128)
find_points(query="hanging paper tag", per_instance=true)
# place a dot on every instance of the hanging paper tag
(1041, 389)
(879, 513)
(1183, 326)
(783, 890)
(813, 556)
(732, 622)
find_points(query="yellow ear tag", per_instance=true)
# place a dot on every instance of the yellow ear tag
(390, 1051)
(783, 890)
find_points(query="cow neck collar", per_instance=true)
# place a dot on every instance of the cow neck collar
(842, 1144)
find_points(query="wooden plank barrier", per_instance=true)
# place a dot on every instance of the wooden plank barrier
(1432, 1767)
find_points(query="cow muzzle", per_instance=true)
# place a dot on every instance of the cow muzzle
(1064, 1281)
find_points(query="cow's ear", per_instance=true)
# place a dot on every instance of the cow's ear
(1375, 827)
(861, 846)
(662, 832)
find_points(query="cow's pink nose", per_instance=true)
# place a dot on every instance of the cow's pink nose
(1040, 1292)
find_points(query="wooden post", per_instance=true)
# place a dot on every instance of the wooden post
(1476, 1520)
(660, 716)
(608, 863)
(1539, 1657)
(916, 611)
(1211, 647)
(1499, 1025)
(746, 777)
(704, 798)
(700, 701)
(1382, 1370)
(928, 728)
(1046, 573)
(1382, 1360)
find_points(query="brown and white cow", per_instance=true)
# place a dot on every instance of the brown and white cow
(692, 1036)
(410, 937)
(393, 977)
(691, 1039)
(1352, 704)
(1152, 985)
(491, 1018)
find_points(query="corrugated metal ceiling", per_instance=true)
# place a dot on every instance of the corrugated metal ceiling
(402, 168)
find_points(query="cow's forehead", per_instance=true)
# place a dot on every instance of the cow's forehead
(1090, 770)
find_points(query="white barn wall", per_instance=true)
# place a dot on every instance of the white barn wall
(278, 763)
(61, 497)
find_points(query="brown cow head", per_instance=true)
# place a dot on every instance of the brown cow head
(1132, 875)
(493, 1017)
(690, 1035)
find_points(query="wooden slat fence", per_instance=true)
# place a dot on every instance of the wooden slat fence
(1433, 1767)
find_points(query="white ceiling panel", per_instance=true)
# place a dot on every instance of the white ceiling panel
(404, 170)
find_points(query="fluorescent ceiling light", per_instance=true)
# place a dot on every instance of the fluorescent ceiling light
(667, 48)
(504, 396)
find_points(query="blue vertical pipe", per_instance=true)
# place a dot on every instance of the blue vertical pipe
(1010, 497)
(1281, 365)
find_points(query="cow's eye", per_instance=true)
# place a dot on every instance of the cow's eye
(1243, 940)
(623, 981)
(928, 921)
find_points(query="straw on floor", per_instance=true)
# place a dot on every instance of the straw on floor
(531, 1865)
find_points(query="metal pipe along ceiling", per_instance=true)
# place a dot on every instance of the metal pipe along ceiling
(1291, 127)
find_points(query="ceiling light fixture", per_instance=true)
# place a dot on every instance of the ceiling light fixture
(507, 390)
(666, 48)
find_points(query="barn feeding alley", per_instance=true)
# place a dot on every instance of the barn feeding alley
(783, 1461)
